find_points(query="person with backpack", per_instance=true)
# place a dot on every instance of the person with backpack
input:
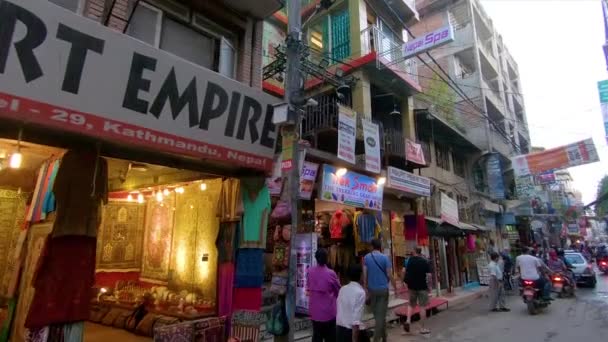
(415, 277)
(377, 270)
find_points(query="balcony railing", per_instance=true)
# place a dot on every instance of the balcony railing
(324, 116)
(492, 93)
(389, 52)
(394, 142)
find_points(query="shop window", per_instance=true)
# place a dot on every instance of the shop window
(460, 165)
(331, 36)
(193, 38)
(442, 155)
(72, 5)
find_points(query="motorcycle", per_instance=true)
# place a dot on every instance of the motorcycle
(602, 265)
(562, 286)
(533, 297)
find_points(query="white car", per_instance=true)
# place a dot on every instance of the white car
(582, 269)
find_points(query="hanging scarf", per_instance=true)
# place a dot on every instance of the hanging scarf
(422, 231)
(409, 223)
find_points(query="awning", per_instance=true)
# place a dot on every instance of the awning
(480, 227)
(466, 226)
(439, 227)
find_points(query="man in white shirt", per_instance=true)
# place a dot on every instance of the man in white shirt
(350, 305)
(529, 269)
(497, 291)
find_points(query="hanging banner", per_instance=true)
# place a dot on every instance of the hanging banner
(307, 179)
(408, 182)
(578, 153)
(306, 247)
(546, 178)
(351, 189)
(371, 136)
(602, 87)
(275, 181)
(496, 183)
(414, 152)
(449, 210)
(347, 134)
(67, 73)
(287, 151)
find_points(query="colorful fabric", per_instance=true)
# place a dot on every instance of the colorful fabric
(422, 231)
(37, 201)
(61, 294)
(230, 201)
(226, 241)
(48, 203)
(37, 335)
(246, 325)
(256, 205)
(366, 228)
(182, 332)
(5, 328)
(247, 299)
(225, 288)
(210, 330)
(146, 325)
(249, 268)
(36, 193)
(280, 255)
(56, 333)
(73, 332)
(163, 321)
(409, 226)
(338, 221)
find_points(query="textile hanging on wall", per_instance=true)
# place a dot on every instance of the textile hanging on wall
(256, 205)
(230, 205)
(37, 235)
(12, 215)
(158, 235)
(120, 238)
(194, 255)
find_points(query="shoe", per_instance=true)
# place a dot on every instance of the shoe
(406, 327)
(504, 309)
(495, 310)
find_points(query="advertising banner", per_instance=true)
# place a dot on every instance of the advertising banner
(578, 153)
(371, 136)
(307, 179)
(429, 41)
(546, 177)
(306, 247)
(66, 72)
(449, 210)
(408, 182)
(496, 183)
(347, 134)
(351, 189)
(414, 152)
(602, 87)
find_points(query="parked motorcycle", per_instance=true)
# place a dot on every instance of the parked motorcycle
(533, 297)
(602, 265)
(562, 286)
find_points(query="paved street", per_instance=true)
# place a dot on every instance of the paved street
(584, 318)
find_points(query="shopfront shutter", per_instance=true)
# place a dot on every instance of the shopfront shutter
(340, 35)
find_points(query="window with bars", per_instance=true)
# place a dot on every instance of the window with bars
(191, 37)
(331, 36)
(442, 156)
(460, 165)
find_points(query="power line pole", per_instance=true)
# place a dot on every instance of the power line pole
(293, 96)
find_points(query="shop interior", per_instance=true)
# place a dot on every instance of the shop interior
(156, 242)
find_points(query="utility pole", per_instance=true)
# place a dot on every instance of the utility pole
(293, 97)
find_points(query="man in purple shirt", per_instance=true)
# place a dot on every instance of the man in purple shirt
(323, 288)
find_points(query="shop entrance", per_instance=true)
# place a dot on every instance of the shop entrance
(152, 261)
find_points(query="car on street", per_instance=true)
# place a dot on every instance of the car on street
(582, 268)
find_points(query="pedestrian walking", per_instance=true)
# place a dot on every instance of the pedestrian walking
(323, 288)
(377, 270)
(350, 305)
(416, 275)
(497, 290)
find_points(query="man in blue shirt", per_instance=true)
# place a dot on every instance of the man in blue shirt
(377, 273)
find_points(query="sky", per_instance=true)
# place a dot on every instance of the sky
(557, 45)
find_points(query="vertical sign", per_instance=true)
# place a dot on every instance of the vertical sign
(449, 210)
(347, 134)
(287, 152)
(602, 87)
(371, 135)
(495, 181)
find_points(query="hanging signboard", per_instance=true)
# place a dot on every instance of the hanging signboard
(351, 189)
(449, 210)
(347, 134)
(602, 87)
(66, 72)
(429, 41)
(578, 153)
(414, 152)
(371, 136)
(306, 247)
(408, 182)
(307, 179)
(275, 181)
(496, 185)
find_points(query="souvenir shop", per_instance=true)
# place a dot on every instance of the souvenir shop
(114, 223)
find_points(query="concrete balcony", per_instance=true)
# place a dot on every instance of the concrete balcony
(488, 53)
(500, 143)
(406, 9)
(259, 9)
(492, 94)
(463, 38)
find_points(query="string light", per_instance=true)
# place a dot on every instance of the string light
(166, 192)
(179, 190)
(203, 186)
(16, 159)
(140, 198)
(159, 196)
(130, 198)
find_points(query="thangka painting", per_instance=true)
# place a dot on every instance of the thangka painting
(120, 238)
(12, 214)
(157, 240)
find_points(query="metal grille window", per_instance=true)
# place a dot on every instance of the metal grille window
(442, 156)
(331, 36)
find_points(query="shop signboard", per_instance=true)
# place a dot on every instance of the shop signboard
(602, 87)
(307, 179)
(449, 210)
(351, 189)
(306, 247)
(496, 183)
(414, 152)
(347, 134)
(408, 182)
(371, 136)
(66, 72)
(578, 153)
(572, 228)
(431, 40)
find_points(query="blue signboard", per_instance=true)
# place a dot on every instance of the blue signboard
(351, 189)
(496, 183)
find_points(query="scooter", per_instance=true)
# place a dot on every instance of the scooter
(602, 265)
(533, 297)
(562, 286)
